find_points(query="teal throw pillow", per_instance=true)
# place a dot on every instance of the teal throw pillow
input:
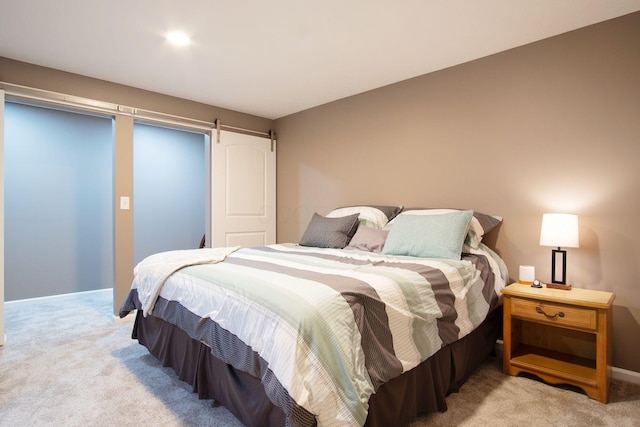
(429, 236)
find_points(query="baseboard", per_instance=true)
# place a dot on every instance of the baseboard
(59, 297)
(625, 375)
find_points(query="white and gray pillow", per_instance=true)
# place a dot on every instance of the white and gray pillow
(374, 216)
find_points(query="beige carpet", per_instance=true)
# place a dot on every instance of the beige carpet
(67, 362)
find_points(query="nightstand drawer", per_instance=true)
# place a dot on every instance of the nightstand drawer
(556, 314)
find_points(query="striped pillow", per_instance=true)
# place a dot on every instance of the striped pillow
(325, 232)
(371, 216)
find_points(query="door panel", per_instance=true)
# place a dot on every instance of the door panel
(244, 190)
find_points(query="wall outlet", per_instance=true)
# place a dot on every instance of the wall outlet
(124, 203)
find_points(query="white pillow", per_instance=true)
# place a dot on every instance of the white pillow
(367, 215)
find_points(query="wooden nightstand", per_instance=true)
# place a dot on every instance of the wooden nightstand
(560, 336)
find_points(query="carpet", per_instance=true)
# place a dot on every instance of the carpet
(69, 362)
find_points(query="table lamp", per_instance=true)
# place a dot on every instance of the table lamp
(559, 230)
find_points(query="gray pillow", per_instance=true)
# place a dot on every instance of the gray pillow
(325, 232)
(368, 239)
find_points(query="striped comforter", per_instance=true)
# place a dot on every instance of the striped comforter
(324, 328)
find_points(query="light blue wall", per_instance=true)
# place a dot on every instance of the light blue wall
(58, 202)
(59, 192)
(169, 189)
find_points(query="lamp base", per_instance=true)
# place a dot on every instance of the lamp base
(559, 286)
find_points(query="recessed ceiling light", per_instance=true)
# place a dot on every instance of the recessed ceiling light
(178, 38)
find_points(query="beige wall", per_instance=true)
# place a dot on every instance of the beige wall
(549, 127)
(552, 126)
(29, 75)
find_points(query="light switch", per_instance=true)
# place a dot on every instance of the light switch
(124, 203)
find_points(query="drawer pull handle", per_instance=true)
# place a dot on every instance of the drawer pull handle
(548, 316)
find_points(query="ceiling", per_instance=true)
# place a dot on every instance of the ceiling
(274, 58)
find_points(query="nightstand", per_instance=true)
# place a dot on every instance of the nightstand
(563, 337)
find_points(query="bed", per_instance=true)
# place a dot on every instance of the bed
(373, 318)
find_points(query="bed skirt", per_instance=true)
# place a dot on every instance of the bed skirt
(396, 403)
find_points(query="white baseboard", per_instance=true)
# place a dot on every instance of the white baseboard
(19, 302)
(625, 375)
(61, 297)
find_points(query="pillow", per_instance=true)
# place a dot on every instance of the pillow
(485, 223)
(429, 236)
(329, 232)
(480, 224)
(371, 216)
(368, 239)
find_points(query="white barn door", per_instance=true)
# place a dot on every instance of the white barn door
(243, 183)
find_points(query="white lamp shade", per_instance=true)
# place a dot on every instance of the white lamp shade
(559, 230)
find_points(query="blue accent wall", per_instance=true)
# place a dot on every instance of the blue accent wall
(169, 189)
(59, 198)
(58, 202)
